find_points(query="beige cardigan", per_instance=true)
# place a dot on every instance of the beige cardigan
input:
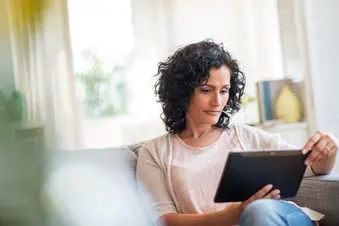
(154, 171)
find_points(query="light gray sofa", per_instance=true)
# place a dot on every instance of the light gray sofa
(318, 193)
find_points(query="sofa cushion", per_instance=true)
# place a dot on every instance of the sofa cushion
(321, 193)
(135, 148)
(94, 187)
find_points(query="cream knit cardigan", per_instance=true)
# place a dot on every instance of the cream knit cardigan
(154, 169)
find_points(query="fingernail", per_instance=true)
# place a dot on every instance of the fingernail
(307, 162)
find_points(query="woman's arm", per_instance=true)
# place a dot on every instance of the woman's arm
(324, 147)
(153, 178)
(227, 217)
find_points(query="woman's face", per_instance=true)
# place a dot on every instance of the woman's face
(209, 100)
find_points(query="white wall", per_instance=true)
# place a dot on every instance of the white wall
(322, 21)
(322, 31)
(248, 29)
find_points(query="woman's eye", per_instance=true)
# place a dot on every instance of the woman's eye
(224, 91)
(204, 90)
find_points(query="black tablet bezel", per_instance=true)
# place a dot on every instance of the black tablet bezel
(239, 182)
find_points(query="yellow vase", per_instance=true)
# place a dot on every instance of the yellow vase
(287, 106)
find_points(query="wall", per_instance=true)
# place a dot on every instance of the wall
(7, 81)
(322, 26)
(322, 31)
(248, 29)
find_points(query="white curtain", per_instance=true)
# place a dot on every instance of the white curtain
(44, 69)
(249, 29)
(152, 42)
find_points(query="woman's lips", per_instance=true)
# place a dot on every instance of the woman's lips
(213, 112)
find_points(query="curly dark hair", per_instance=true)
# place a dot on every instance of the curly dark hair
(188, 68)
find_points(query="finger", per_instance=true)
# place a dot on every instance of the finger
(333, 151)
(272, 194)
(277, 197)
(328, 151)
(331, 148)
(333, 145)
(318, 151)
(315, 152)
(311, 142)
(333, 140)
(261, 193)
(319, 158)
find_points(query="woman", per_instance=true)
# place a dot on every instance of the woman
(200, 87)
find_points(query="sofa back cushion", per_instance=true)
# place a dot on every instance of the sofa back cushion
(94, 187)
(135, 148)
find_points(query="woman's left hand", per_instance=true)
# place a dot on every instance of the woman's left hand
(323, 146)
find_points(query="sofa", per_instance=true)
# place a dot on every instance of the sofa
(119, 193)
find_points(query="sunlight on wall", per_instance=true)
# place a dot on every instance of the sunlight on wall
(104, 25)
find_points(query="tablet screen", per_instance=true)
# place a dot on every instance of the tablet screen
(245, 173)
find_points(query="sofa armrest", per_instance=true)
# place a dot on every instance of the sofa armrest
(321, 193)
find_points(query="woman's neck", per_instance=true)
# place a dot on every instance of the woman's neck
(201, 136)
(194, 130)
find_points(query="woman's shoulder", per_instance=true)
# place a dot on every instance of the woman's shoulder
(156, 150)
(160, 140)
(250, 130)
(160, 143)
(253, 137)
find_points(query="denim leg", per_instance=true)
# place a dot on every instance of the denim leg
(273, 212)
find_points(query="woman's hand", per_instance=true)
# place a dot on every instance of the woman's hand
(324, 149)
(236, 209)
(323, 145)
(263, 193)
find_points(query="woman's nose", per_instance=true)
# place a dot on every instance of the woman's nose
(217, 101)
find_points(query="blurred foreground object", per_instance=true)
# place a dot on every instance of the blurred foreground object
(25, 12)
(43, 68)
(13, 107)
(93, 187)
(21, 177)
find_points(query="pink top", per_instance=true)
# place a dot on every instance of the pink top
(196, 172)
(183, 179)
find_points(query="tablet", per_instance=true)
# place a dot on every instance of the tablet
(245, 173)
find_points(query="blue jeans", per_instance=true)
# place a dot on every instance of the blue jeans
(273, 212)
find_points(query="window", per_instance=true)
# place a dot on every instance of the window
(102, 39)
(116, 53)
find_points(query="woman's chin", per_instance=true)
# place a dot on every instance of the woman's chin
(211, 121)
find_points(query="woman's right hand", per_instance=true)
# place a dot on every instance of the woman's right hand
(263, 193)
(235, 210)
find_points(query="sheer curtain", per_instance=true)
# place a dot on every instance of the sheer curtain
(248, 29)
(44, 70)
(152, 24)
